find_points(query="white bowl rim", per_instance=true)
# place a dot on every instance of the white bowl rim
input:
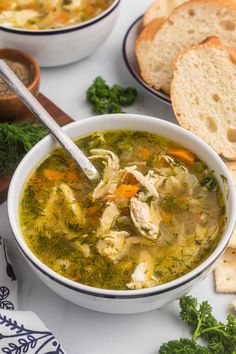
(161, 96)
(123, 294)
(55, 31)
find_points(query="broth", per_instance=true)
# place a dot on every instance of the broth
(156, 214)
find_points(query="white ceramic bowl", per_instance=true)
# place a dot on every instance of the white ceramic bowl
(65, 45)
(126, 301)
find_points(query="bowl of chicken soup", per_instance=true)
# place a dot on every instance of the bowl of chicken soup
(57, 32)
(152, 227)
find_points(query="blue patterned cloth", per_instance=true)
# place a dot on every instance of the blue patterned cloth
(21, 332)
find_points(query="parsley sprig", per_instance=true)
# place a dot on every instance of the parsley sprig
(220, 337)
(105, 99)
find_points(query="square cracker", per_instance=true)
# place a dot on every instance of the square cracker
(225, 272)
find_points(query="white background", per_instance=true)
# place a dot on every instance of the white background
(82, 331)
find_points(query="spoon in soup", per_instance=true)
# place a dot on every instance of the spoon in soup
(39, 111)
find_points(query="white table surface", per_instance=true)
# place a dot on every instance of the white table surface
(81, 331)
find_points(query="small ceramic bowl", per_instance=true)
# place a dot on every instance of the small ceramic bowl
(66, 45)
(122, 301)
(132, 63)
(11, 106)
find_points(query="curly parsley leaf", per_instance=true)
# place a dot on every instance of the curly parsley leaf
(183, 346)
(220, 337)
(105, 99)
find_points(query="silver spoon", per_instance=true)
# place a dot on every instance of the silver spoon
(38, 110)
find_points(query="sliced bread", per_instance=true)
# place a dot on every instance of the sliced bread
(160, 9)
(188, 25)
(203, 92)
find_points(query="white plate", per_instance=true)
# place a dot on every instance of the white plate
(131, 61)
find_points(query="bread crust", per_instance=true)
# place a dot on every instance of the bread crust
(154, 27)
(160, 9)
(145, 36)
(150, 10)
(211, 42)
(149, 32)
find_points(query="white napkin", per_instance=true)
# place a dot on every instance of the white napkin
(21, 332)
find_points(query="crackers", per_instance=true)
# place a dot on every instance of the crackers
(225, 272)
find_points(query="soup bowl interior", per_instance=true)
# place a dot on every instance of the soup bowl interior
(122, 301)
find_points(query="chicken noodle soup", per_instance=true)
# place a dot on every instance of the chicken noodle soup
(155, 215)
(45, 14)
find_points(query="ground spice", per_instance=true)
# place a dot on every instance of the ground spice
(23, 73)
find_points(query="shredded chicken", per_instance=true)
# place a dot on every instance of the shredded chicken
(112, 245)
(108, 219)
(72, 202)
(143, 275)
(181, 181)
(108, 184)
(21, 18)
(111, 158)
(83, 248)
(155, 179)
(144, 218)
(111, 175)
(51, 206)
(142, 180)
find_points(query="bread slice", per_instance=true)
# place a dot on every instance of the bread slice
(160, 9)
(188, 25)
(203, 92)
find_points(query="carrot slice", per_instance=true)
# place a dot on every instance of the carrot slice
(72, 176)
(90, 9)
(94, 210)
(182, 154)
(144, 153)
(166, 217)
(53, 175)
(64, 17)
(127, 190)
(37, 182)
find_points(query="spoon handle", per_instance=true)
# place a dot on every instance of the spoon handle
(38, 110)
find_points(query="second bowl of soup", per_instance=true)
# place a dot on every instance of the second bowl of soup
(153, 226)
(57, 32)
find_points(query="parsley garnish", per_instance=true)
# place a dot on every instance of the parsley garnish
(220, 337)
(105, 99)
